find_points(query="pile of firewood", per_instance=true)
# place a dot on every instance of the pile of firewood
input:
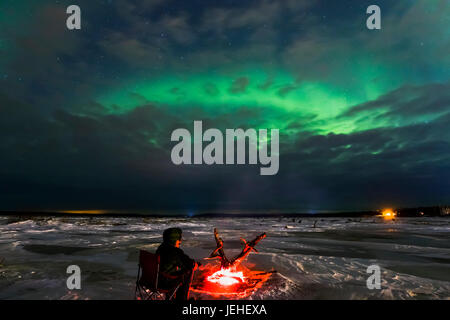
(220, 254)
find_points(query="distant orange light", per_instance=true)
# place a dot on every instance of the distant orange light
(388, 213)
(85, 211)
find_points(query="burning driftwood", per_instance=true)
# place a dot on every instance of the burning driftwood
(231, 278)
(227, 263)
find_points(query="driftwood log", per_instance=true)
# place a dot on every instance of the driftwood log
(220, 254)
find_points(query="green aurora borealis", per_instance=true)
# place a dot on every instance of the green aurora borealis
(361, 113)
(320, 101)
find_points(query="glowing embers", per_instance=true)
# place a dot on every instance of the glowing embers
(232, 283)
(226, 277)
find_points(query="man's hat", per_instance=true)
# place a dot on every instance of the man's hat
(171, 235)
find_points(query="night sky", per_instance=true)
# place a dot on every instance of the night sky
(86, 115)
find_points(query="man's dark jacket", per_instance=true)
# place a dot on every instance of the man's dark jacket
(173, 260)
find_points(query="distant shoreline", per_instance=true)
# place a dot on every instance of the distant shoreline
(403, 212)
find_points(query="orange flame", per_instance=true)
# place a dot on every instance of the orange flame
(232, 283)
(226, 277)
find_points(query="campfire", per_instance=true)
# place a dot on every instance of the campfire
(226, 277)
(230, 279)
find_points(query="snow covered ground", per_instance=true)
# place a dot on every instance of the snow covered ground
(328, 261)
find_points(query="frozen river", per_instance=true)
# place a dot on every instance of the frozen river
(328, 261)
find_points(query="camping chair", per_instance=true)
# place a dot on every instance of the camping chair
(147, 280)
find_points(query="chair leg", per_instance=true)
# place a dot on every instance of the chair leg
(190, 283)
(137, 283)
(139, 293)
(174, 291)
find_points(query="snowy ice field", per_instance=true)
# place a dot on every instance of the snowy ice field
(325, 262)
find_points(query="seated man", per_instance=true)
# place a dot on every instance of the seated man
(175, 265)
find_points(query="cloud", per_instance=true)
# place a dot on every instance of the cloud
(405, 105)
(133, 51)
(239, 85)
(211, 89)
(220, 19)
(61, 148)
(76, 155)
(284, 90)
